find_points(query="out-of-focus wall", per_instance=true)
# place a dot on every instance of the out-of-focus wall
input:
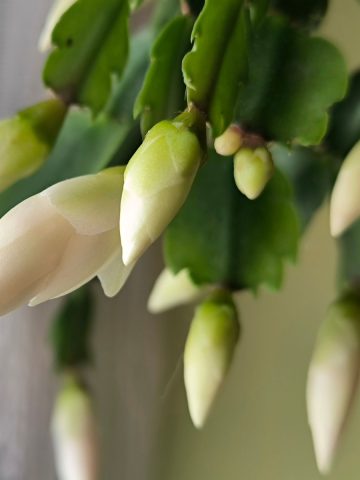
(258, 428)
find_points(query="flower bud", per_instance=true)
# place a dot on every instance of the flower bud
(229, 142)
(26, 139)
(172, 290)
(56, 241)
(74, 434)
(252, 170)
(345, 198)
(209, 350)
(157, 181)
(333, 377)
(56, 12)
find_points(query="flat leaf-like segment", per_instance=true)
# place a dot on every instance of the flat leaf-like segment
(219, 54)
(84, 146)
(349, 256)
(293, 80)
(311, 173)
(224, 238)
(91, 42)
(163, 92)
(344, 131)
(72, 328)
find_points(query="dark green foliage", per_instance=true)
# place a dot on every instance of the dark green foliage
(293, 81)
(72, 328)
(224, 238)
(92, 47)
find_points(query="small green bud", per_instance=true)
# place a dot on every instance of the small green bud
(333, 377)
(209, 350)
(252, 170)
(157, 181)
(74, 433)
(172, 290)
(26, 139)
(229, 142)
(345, 198)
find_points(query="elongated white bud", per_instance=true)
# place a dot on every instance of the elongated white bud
(208, 354)
(252, 170)
(172, 290)
(157, 181)
(229, 142)
(26, 140)
(56, 241)
(333, 377)
(74, 434)
(57, 11)
(345, 197)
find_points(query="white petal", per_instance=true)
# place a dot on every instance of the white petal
(27, 257)
(90, 203)
(81, 261)
(56, 12)
(114, 275)
(172, 290)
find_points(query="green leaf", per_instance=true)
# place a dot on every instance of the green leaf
(84, 146)
(293, 81)
(344, 129)
(311, 173)
(304, 12)
(224, 238)
(349, 256)
(92, 46)
(163, 93)
(217, 64)
(72, 328)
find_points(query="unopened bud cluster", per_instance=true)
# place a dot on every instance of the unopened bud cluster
(253, 165)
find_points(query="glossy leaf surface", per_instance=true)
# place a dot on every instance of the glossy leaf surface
(91, 42)
(224, 238)
(293, 80)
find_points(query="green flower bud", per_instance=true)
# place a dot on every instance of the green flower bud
(158, 179)
(209, 350)
(172, 290)
(252, 170)
(333, 377)
(345, 198)
(229, 142)
(26, 139)
(74, 434)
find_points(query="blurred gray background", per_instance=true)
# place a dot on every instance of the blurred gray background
(258, 428)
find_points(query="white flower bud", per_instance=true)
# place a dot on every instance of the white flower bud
(157, 181)
(333, 378)
(252, 170)
(56, 241)
(208, 354)
(74, 434)
(229, 142)
(345, 197)
(57, 11)
(172, 290)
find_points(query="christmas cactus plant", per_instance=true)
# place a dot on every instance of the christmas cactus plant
(222, 126)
